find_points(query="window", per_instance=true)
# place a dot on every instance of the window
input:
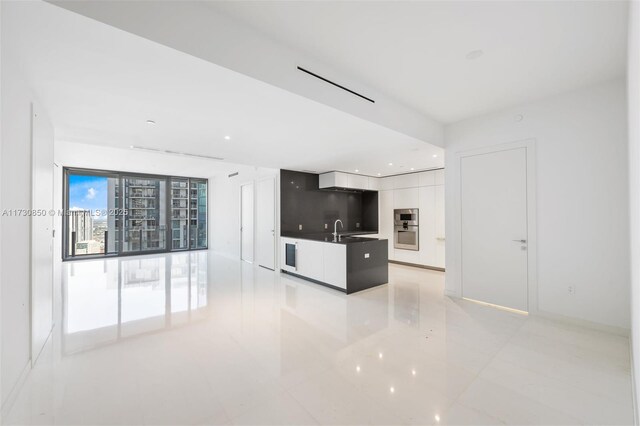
(113, 213)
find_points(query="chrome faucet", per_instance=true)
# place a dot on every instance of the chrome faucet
(335, 228)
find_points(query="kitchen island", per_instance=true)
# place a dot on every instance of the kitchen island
(350, 263)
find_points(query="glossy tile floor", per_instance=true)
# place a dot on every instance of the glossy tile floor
(195, 338)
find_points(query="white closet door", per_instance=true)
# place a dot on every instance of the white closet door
(439, 227)
(41, 232)
(246, 222)
(266, 223)
(494, 228)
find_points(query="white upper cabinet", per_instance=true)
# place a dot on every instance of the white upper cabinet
(427, 178)
(374, 183)
(358, 182)
(407, 198)
(411, 180)
(385, 183)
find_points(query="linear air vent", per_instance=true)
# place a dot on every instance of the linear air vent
(166, 151)
(336, 84)
(234, 174)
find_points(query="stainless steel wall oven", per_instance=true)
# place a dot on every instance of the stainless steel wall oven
(406, 229)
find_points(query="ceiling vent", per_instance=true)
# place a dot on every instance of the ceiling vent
(326, 80)
(166, 151)
(234, 174)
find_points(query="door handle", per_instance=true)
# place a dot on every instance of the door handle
(520, 241)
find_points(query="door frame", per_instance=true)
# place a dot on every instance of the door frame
(253, 219)
(532, 236)
(275, 218)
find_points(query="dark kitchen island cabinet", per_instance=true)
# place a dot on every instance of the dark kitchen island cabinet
(348, 264)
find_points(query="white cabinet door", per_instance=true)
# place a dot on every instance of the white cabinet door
(335, 264)
(309, 259)
(427, 178)
(439, 177)
(41, 231)
(406, 199)
(374, 183)
(411, 180)
(386, 218)
(440, 239)
(427, 225)
(385, 183)
(358, 182)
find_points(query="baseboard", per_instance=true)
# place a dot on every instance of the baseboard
(7, 404)
(451, 293)
(416, 265)
(620, 331)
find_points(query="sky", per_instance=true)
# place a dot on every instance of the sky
(87, 192)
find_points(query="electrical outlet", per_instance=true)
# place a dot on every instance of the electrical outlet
(571, 290)
(300, 227)
(366, 255)
(358, 225)
(326, 226)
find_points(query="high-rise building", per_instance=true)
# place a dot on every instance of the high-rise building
(114, 220)
(179, 213)
(144, 224)
(198, 213)
(80, 226)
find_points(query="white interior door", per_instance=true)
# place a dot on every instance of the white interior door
(41, 231)
(266, 223)
(246, 222)
(494, 228)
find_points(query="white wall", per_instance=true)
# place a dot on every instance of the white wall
(633, 98)
(15, 192)
(224, 193)
(582, 198)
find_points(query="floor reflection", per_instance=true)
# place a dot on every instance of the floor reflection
(198, 338)
(107, 300)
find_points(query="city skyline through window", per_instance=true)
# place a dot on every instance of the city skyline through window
(124, 213)
(88, 201)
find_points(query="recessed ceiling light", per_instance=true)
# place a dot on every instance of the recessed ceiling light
(392, 389)
(412, 168)
(437, 418)
(391, 164)
(379, 174)
(435, 155)
(227, 138)
(357, 170)
(474, 54)
(151, 122)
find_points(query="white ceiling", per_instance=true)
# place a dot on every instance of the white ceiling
(416, 51)
(101, 84)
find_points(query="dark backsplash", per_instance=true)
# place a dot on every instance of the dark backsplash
(303, 203)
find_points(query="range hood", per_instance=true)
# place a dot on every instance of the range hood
(347, 182)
